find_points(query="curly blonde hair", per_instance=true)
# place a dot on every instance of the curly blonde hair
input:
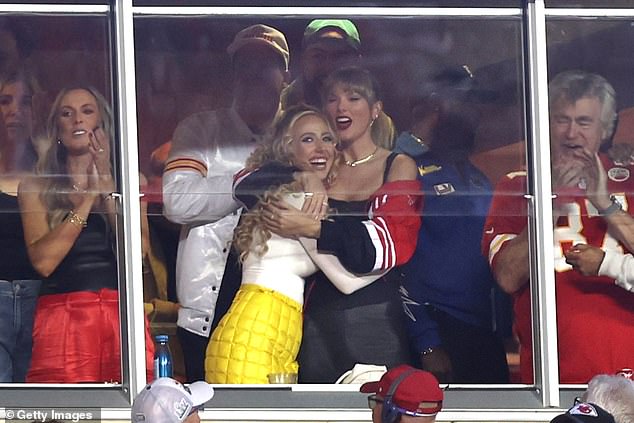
(251, 235)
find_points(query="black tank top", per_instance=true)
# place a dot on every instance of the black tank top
(360, 207)
(14, 260)
(90, 265)
(322, 293)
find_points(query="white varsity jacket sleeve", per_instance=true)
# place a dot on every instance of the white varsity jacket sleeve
(197, 182)
(620, 267)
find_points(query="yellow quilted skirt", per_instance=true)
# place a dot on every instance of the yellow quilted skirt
(259, 335)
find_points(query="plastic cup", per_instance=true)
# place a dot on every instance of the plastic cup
(287, 378)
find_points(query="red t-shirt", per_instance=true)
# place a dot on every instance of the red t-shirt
(595, 317)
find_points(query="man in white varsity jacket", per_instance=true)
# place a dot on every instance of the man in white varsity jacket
(208, 148)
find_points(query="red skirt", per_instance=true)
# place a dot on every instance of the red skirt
(76, 338)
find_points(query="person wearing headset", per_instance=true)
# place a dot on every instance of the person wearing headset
(404, 394)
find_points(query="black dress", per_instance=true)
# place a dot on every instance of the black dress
(367, 326)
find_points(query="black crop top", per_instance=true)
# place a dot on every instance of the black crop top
(90, 265)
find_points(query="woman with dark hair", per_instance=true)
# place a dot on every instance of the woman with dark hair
(373, 229)
(68, 216)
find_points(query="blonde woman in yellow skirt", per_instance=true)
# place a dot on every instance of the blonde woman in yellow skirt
(261, 332)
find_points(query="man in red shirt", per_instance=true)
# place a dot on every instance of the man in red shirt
(595, 317)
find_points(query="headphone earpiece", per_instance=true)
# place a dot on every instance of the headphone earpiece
(389, 412)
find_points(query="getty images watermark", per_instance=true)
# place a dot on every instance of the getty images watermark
(47, 414)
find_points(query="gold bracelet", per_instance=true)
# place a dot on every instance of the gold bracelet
(77, 220)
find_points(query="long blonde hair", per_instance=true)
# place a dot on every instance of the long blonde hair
(52, 165)
(251, 234)
(362, 82)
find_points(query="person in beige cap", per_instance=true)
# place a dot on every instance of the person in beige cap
(328, 44)
(207, 149)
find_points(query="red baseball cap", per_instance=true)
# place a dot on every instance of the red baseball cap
(417, 392)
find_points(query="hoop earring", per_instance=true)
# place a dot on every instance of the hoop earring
(59, 141)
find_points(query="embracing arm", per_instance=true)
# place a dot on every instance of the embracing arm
(386, 239)
(250, 185)
(341, 278)
(48, 247)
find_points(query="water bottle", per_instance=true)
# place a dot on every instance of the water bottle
(162, 357)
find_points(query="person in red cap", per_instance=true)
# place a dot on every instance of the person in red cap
(404, 394)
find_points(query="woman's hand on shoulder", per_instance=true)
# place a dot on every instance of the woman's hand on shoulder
(316, 199)
(403, 169)
(289, 222)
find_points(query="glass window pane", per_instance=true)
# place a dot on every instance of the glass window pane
(60, 2)
(579, 4)
(59, 143)
(187, 85)
(590, 99)
(286, 3)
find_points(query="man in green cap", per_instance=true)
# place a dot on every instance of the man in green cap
(327, 45)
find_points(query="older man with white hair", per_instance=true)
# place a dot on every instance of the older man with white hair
(615, 394)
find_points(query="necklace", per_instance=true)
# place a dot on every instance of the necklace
(77, 188)
(353, 163)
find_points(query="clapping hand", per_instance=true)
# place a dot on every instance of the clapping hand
(596, 180)
(100, 173)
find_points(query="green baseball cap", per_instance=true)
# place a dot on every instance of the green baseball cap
(345, 28)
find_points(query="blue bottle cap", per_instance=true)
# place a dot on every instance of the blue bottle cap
(161, 338)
